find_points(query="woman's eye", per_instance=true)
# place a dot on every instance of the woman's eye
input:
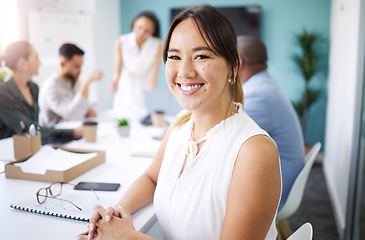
(173, 57)
(201, 57)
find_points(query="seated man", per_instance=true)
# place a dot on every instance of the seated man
(270, 108)
(58, 98)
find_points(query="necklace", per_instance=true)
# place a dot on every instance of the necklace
(193, 144)
(195, 139)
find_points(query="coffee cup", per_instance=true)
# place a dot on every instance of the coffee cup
(90, 131)
(158, 118)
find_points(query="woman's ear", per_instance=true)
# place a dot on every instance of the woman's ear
(234, 68)
(242, 63)
(22, 64)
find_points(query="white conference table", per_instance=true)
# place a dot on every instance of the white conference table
(120, 166)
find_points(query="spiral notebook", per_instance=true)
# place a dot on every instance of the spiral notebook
(62, 209)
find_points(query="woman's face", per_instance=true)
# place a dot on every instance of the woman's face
(143, 28)
(33, 62)
(195, 76)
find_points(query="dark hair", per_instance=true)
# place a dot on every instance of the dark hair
(219, 35)
(15, 51)
(151, 16)
(68, 50)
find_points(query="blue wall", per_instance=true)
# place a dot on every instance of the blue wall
(280, 19)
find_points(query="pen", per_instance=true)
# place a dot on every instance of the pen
(38, 129)
(22, 125)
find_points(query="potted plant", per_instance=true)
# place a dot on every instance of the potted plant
(3, 74)
(123, 127)
(307, 63)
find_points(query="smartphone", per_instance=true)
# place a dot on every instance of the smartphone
(97, 186)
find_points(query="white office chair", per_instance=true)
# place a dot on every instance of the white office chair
(296, 193)
(305, 232)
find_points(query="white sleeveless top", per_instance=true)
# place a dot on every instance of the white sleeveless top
(129, 101)
(194, 205)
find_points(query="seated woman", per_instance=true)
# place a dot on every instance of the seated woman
(19, 95)
(216, 174)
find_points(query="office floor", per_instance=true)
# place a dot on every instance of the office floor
(316, 208)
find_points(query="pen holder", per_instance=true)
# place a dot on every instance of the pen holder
(26, 145)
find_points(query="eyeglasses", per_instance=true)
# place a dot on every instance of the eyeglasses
(53, 191)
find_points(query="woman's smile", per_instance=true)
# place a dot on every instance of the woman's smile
(190, 88)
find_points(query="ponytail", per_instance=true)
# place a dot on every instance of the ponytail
(13, 52)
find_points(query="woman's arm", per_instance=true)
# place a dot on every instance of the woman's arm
(142, 191)
(118, 63)
(153, 75)
(139, 194)
(255, 190)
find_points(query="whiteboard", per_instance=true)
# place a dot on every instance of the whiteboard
(48, 30)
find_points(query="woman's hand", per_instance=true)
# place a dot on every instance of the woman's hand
(91, 225)
(78, 132)
(114, 87)
(115, 227)
(109, 224)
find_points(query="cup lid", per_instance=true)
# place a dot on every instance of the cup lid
(159, 111)
(90, 123)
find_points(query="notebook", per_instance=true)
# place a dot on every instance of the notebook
(62, 209)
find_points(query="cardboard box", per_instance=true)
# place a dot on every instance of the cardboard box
(12, 171)
(26, 145)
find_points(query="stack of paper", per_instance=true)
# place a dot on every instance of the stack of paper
(49, 158)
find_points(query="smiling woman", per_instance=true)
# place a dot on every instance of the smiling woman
(216, 174)
(194, 72)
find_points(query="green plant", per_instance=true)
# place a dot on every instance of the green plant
(3, 74)
(307, 62)
(123, 122)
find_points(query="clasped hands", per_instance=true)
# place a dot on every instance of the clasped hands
(110, 223)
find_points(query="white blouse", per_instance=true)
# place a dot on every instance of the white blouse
(193, 205)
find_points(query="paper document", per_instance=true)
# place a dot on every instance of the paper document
(49, 158)
(68, 124)
(2, 167)
(7, 150)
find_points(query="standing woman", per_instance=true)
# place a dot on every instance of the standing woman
(19, 95)
(137, 58)
(216, 174)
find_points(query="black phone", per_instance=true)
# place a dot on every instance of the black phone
(97, 186)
